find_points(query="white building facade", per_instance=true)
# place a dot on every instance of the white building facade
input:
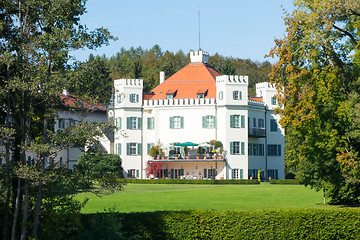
(198, 105)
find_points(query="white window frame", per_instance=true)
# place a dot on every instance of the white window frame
(177, 122)
(133, 149)
(61, 123)
(134, 98)
(133, 122)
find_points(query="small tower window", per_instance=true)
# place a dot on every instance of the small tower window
(201, 95)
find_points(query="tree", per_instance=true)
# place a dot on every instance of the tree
(36, 37)
(103, 168)
(317, 76)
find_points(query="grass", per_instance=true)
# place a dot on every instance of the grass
(158, 197)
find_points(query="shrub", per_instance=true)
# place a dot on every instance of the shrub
(284, 181)
(260, 224)
(191, 181)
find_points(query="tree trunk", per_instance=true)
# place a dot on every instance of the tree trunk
(25, 211)
(16, 210)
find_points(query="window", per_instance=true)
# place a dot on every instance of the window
(150, 123)
(253, 173)
(237, 121)
(176, 173)
(254, 122)
(209, 121)
(134, 98)
(118, 122)
(273, 101)
(274, 150)
(61, 123)
(169, 96)
(132, 173)
(256, 149)
(163, 173)
(61, 161)
(237, 173)
(133, 148)
(72, 122)
(118, 148)
(133, 123)
(201, 95)
(261, 123)
(273, 173)
(273, 125)
(221, 95)
(176, 122)
(237, 148)
(237, 95)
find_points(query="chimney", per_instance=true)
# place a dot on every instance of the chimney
(162, 77)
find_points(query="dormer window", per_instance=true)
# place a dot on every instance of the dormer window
(170, 94)
(134, 98)
(237, 95)
(202, 93)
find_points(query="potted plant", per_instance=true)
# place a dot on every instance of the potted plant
(176, 156)
(154, 151)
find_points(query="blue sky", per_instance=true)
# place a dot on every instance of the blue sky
(233, 28)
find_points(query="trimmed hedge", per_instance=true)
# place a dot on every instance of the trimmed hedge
(265, 224)
(284, 181)
(191, 181)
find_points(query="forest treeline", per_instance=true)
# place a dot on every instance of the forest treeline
(147, 63)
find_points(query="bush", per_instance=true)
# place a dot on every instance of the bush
(284, 181)
(191, 181)
(262, 224)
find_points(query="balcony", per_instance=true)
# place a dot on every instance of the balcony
(189, 158)
(257, 132)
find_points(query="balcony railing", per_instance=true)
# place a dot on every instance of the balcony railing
(257, 132)
(190, 158)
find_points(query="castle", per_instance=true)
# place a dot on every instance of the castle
(188, 110)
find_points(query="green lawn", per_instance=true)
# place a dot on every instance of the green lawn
(154, 197)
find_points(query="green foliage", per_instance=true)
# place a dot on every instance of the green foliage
(192, 181)
(317, 77)
(284, 181)
(102, 167)
(265, 224)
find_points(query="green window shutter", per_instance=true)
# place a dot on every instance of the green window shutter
(172, 173)
(128, 173)
(242, 121)
(269, 150)
(148, 148)
(215, 126)
(120, 123)
(139, 149)
(242, 148)
(182, 122)
(232, 173)
(137, 172)
(152, 123)
(148, 123)
(182, 172)
(240, 95)
(127, 148)
(232, 148)
(166, 173)
(139, 123)
(232, 121)
(137, 97)
(205, 173)
(234, 95)
(204, 121)
(241, 174)
(128, 123)
(171, 122)
(279, 150)
(119, 148)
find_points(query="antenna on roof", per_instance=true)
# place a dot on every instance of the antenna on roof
(199, 29)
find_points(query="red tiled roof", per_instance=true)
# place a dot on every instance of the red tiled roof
(70, 101)
(188, 81)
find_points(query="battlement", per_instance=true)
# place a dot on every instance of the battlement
(124, 82)
(232, 79)
(265, 85)
(179, 102)
(256, 104)
(199, 56)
